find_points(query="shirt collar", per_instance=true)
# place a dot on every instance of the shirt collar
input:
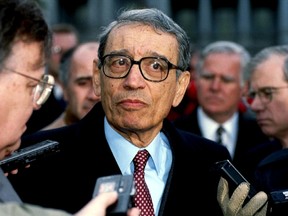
(124, 151)
(208, 126)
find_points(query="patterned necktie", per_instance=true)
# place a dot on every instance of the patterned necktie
(219, 133)
(142, 197)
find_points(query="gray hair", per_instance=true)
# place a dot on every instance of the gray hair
(264, 55)
(156, 19)
(225, 47)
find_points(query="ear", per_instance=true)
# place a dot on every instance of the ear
(182, 84)
(96, 78)
(245, 89)
(65, 92)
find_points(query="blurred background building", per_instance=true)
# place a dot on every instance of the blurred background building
(253, 23)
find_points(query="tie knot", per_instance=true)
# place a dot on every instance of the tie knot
(140, 159)
(220, 130)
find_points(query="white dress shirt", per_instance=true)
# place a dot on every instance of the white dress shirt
(209, 127)
(158, 165)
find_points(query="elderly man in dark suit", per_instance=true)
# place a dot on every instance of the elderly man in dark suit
(141, 73)
(25, 47)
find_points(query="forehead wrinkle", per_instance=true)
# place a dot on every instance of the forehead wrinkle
(138, 46)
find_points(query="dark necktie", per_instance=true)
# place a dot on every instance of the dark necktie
(219, 133)
(142, 197)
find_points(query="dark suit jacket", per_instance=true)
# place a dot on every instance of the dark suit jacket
(249, 136)
(269, 163)
(67, 180)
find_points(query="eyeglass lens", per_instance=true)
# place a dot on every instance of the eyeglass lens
(152, 68)
(43, 89)
(265, 94)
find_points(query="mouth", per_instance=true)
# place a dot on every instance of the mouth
(262, 121)
(87, 108)
(132, 104)
(214, 100)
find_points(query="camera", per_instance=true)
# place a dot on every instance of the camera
(226, 169)
(27, 155)
(278, 202)
(124, 185)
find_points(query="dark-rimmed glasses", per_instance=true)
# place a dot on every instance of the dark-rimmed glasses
(265, 94)
(42, 90)
(154, 69)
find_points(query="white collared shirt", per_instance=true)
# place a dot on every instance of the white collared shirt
(158, 165)
(208, 129)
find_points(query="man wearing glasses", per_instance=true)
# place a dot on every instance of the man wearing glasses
(268, 77)
(25, 46)
(141, 73)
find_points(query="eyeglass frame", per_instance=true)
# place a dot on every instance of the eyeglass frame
(266, 95)
(57, 49)
(50, 85)
(169, 64)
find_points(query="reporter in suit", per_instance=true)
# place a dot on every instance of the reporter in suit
(220, 87)
(268, 76)
(141, 74)
(25, 46)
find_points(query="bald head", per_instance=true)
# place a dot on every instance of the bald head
(85, 53)
(82, 55)
(77, 79)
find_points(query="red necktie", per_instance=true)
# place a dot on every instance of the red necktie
(142, 197)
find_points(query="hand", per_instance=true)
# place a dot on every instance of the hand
(98, 206)
(233, 206)
(14, 172)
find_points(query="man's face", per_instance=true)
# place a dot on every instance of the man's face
(79, 92)
(16, 93)
(218, 87)
(271, 116)
(133, 104)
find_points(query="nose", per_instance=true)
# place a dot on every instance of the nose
(215, 83)
(134, 78)
(256, 104)
(92, 95)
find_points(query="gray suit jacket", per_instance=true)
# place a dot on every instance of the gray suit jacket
(15, 209)
(7, 192)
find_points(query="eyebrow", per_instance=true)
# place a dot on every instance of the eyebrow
(266, 87)
(83, 78)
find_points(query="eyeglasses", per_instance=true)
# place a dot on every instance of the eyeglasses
(42, 90)
(265, 94)
(154, 69)
(57, 49)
